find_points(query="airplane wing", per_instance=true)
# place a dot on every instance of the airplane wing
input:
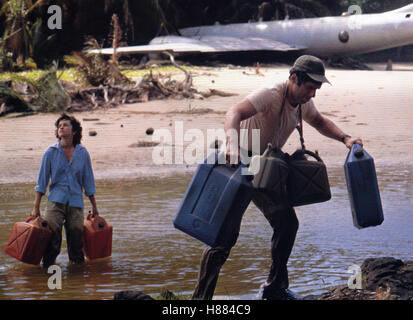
(205, 44)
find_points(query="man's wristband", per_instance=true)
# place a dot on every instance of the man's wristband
(344, 137)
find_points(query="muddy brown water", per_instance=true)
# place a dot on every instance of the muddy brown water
(149, 254)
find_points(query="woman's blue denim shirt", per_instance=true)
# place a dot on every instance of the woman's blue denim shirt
(66, 178)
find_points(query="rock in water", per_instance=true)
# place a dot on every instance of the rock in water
(389, 272)
(383, 278)
(131, 295)
(167, 294)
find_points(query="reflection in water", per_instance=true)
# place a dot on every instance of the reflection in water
(148, 253)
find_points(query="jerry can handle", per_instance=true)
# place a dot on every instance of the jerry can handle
(268, 150)
(89, 216)
(30, 218)
(41, 221)
(357, 150)
(356, 146)
(213, 158)
(314, 155)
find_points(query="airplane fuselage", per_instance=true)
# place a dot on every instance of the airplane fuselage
(354, 34)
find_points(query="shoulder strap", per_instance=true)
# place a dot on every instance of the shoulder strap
(299, 127)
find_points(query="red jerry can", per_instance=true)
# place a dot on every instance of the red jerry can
(28, 240)
(97, 237)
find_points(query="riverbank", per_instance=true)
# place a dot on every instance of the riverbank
(373, 105)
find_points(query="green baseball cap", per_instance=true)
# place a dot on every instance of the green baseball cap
(312, 66)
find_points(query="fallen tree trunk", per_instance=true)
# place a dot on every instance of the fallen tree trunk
(148, 88)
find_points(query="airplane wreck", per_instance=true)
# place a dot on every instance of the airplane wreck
(324, 37)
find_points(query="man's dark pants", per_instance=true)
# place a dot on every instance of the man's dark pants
(284, 222)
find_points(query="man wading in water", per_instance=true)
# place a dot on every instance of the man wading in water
(68, 167)
(261, 110)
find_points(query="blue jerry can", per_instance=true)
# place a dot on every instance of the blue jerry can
(216, 194)
(362, 188)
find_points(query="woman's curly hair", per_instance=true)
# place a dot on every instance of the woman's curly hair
(76, 127)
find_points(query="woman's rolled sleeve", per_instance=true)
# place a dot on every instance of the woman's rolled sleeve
(88, 178)
(44, 174)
